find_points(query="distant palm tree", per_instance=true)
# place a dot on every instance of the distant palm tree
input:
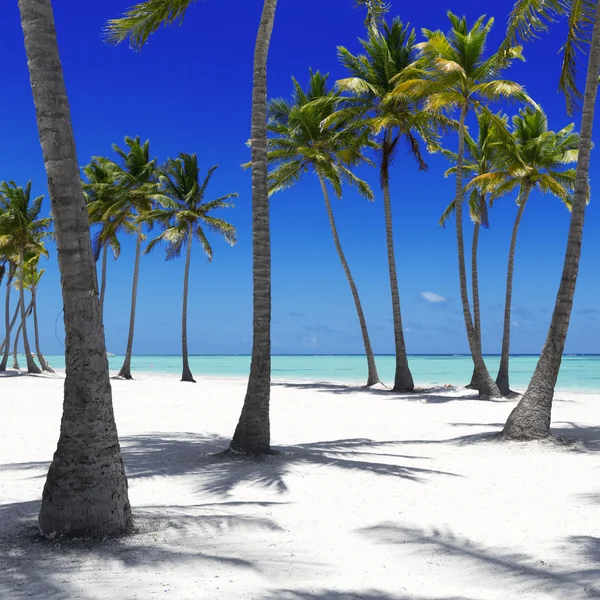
(185, 221)
(532, 416)
(534, 161)
(459, 77)
(301, 144)
(34, 277)
(9, 274)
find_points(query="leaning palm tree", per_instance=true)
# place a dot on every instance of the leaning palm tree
(27, 286)
(186, 221)
(300, 144)
(20, 223)
(11, 269)
(458, 76)
(532, 416)
(86, 488)
(533, 162)
(389, 55)
(34, 277)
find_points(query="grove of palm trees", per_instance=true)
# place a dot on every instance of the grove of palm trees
(384, 442)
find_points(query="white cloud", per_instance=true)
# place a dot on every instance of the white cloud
(433, 298)
(516, 324)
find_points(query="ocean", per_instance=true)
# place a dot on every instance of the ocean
(578, 372)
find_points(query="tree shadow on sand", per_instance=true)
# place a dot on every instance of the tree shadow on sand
(525, 572)
(348, 595)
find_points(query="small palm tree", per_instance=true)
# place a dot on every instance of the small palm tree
(34, 277)
(186, 221)
(458, 76)
(300, 144)
(21, 227)
(9, 271)
(533, 162)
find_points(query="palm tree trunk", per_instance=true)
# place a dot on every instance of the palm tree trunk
(187, 373)
(45, 366)
(6, 342)
(253, 432)
(403, 381)
(16, 346)
(103, 283)
(31, 366)
(475, 289)
(502, 380)
(485, 384)
(532, 416)
(372, 377)
(125, 371)
(86, 489)
(7, 324)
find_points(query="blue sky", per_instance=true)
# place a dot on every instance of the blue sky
(190, 90)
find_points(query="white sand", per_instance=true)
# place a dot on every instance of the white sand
(374, 496)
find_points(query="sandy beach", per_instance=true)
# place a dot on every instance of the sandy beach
(372, 495)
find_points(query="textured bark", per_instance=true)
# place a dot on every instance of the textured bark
(253, 432)
(125, 371)
(531, 417)
(403, 381)
(16, 346)
(372, 377)
(187, 373)
(7, 324)
(31, 366)
(103, 276)
(476, 306)
(485, 384)
(6, 342)
(502, 380)
(86, 490)
(45, 366)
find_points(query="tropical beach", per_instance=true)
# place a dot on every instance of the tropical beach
(297, 304)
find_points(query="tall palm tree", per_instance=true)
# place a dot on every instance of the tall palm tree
(137, 177)
(389, 55)
(533, 162)
(301, 144)
(11, 269)
(532, 416)
(458, 76)
(20, 224)
(28, 311)
(34, 277)
(88, 456)
(180, 179)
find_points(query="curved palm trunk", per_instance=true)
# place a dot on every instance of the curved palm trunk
(86, 489)
(6, 342)
(403, 381)
(125, 371)
(485, 384)
(16, 347)
(502, 380)
(45, 366)
(31, 366)
(103, 282)
(476, 306)
(187, 373)
(531, 417)
(372, 377)
(7, 323)
(253, 432)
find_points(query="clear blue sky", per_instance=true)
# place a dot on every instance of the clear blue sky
(190, 90)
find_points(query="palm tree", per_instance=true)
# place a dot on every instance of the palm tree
(34, 277)
(185, 221)
(28, 311)
(389, 55)
(532, 162)
(10, 271)
(459, 77)
(137, 178)
(20, 224)
(300, 144)
(88, 456)
(532, 416)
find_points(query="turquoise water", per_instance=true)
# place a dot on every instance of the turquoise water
(577, 372)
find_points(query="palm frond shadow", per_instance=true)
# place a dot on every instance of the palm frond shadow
(348, 595)
(524, 571)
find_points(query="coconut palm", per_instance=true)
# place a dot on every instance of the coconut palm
(185, 222)
(9, 274)
(88, 455)
(28, 311)
(458, 76)
(533, 163)
(20, 224)
(34, 277)
(532, 416)
(300, 144)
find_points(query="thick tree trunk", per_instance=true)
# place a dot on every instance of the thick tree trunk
(6, 342)
(31, 366)
(485, 384)
(7, 324)
(502, 380)
(187, 373)
(403, 381)
(16, 347)
(372, 377)
(86, 490)
(476, 307)
(103, 276)
(45, 366)
(532, 416)
(253, 432)
(125, 371)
